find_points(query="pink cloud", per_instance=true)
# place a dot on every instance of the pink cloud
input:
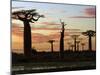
(88, 13)
(72, 30)
(45, 28)
(37, 37)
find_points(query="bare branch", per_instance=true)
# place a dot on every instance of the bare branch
(20, 18)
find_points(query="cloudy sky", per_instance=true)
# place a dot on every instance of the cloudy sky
(78, 18)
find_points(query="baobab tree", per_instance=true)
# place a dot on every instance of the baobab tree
(27, 17)
(69, 43)
(75, 38)
(90, 34)
(51, 42)
(77, 43)
(72, 47)
(62, 39)
(82, 44)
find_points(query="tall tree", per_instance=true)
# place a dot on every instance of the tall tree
(51, 42)
(90, 34)
(62, 39)
(27, 17)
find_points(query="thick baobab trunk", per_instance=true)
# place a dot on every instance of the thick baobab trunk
(90, 43)
(51, 42)
(75, 44)
(62, 45)
(62, 41)
(52, 47)
(27, 39)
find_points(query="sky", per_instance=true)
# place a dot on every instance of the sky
(79, 18)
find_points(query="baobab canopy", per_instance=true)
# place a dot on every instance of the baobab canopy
(28, 15)
(89, 33)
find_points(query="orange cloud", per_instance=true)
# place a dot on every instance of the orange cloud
(41, 34)
(50, 23)
(39, 39)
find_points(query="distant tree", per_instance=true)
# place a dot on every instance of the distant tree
(51, 42)
(27, 17)
(72, 47)
(90, 34)
(82, 44)
(75, 38)
(69, 43)
(62, 39)
(34, 51)
(77, 43)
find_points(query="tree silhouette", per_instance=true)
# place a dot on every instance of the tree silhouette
(27, 17)
(62, 39)
(75, 38)
(77, 43)
(82, 44)
(90, 34)
(69, 43)
(34, 52)
(51, 42)
(72, 47)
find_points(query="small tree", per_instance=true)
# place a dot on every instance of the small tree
(27, 17)
(75, 38)
(82, 44)
(77, 43)
(34, 51)
(90, 34)
(72, 47)
(51, 42)
(69, 43)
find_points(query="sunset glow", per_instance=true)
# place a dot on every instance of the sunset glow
(79, 18)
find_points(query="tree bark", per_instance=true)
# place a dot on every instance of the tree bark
(90, 43)
(62, 45)
(75, 44)
(52, 47)
(27, 39)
